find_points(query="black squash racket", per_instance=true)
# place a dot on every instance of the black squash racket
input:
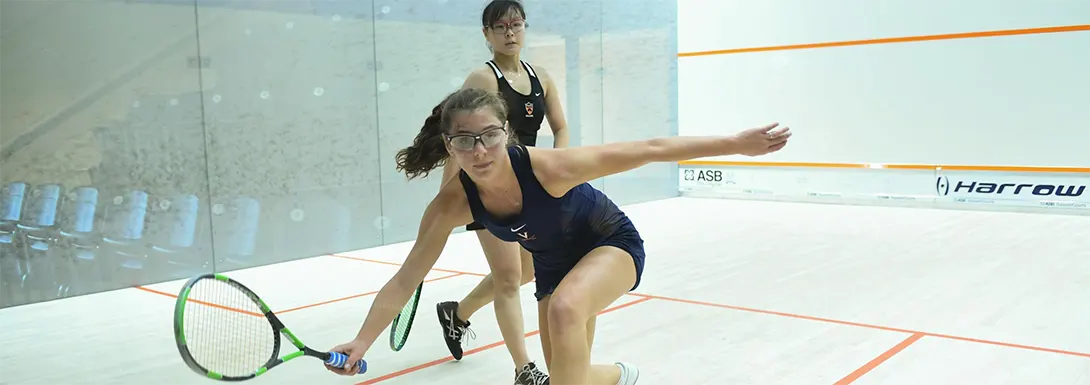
(226, 332)
(403, 323)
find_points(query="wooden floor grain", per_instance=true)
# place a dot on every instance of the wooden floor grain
(734, 293)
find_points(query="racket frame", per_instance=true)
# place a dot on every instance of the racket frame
(277, 327)
(395, 345)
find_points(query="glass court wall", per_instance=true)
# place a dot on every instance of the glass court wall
(150, 140)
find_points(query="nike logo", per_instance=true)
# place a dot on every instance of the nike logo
(537, 94)
(519, 228)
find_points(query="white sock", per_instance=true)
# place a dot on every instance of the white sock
(629, 374)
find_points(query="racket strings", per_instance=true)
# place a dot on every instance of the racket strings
(225, 330)
(405, 315)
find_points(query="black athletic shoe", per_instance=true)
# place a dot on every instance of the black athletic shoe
(530, 375)
(454, 329)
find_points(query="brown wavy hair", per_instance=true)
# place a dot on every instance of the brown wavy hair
(428, 150)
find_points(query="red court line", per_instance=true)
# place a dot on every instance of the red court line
(228, 308)
(869, 326)
(820, 319)
(779, 313)
(153, 291)
(850, 378)
(478, 349)
(398, 264)
(358, 295)
(889, 40)
(886, 166)
(1009, 345)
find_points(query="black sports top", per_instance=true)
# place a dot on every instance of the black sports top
(557, 231)
(524, 112)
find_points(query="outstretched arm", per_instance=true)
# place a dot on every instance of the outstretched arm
(447, 211)
(572, 166)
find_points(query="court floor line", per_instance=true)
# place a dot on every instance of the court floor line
(869, 326)
(866, 368)
(360, 295)
(218, 306)
(289, 310)
(398, 264)
(806, 317)
(479, 349)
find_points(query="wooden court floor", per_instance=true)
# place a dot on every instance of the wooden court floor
(734, 292)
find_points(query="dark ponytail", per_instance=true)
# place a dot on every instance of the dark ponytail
(428, 150)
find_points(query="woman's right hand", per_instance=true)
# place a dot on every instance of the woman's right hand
(762, 140)
(355, 350)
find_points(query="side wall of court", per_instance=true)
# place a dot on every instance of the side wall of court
(149, 140)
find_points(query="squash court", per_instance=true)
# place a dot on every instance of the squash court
(735, 292)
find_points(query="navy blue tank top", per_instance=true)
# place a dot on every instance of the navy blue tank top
(557, 231)
(524, 112)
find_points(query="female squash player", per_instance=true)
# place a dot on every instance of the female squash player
(533, 97)
(586, 252)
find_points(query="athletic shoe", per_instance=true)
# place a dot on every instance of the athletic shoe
(629, 374)
(530, 375)
(453, 328)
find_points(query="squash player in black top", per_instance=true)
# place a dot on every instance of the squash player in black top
(587, 253)
(532, 98)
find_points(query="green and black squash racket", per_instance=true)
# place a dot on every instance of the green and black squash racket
(403, 323)
(226, 332)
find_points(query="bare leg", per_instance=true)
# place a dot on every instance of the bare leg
(543, 322)
(506, 272)
(601, 277)
(484, 293)
(543, 327)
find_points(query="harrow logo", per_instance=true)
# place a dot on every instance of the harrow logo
(942, 187)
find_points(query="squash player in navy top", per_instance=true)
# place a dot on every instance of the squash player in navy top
(586, 251)
(533, 98)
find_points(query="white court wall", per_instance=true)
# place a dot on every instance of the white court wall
(997, 117)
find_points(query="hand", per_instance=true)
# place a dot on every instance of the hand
(355, 350)
(762, 140)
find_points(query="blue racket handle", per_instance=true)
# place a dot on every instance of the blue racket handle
(338, 360)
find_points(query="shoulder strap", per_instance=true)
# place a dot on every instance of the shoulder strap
(529, 69)
(524, 169)
(474, 199)
(535, 82)
(495, 69)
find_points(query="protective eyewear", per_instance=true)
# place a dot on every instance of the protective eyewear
(466, 142)
(515, 26)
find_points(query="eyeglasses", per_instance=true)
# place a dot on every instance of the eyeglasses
(466, 142)
(502, 28)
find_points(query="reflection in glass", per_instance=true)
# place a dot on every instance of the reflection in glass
(273, 137)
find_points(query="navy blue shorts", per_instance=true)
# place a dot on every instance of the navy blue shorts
(627, 239)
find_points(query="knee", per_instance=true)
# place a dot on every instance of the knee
(565, 315)
(506, 281)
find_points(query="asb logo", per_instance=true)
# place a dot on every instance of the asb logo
(704, 175)
(943, 187)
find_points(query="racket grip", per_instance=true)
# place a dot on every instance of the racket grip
(338, 360)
